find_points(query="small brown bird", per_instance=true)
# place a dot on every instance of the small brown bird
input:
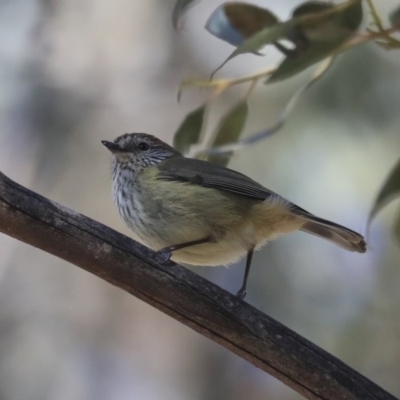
(198, 213)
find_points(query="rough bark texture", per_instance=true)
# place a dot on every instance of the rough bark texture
(180, 293)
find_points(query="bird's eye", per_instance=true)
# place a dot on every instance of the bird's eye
(143, 146)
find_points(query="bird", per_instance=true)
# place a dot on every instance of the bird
(197, 213)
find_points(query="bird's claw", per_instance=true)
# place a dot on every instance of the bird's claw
(241, 293)
(164, 255)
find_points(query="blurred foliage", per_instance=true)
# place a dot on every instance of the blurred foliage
(190, 129)
(389, 192)
(229, 130)
(394, 17)
(387, 41)
(181, 7)
(316, 31)
(236, 22)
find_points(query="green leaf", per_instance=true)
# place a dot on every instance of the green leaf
(394, 17)
(232, 147)
(316, 30)
(292, 66)
(229, 131)
(190, 129)
(389, 191)
(248, 19)
(235, 22)
(181, 6)
(260, 39)
(335, 22)
(311, 7)
(318, 34)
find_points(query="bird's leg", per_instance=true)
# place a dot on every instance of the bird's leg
(166, 252)
(242, 292)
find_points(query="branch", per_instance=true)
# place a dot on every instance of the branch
(180, 293)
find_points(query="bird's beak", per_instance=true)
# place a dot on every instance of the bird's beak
(113, 147)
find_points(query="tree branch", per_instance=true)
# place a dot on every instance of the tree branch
(180, 293)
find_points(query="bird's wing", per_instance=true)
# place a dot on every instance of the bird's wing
(208, 175)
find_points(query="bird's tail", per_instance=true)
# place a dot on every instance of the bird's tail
(335, 233)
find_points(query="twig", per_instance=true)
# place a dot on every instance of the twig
(220, 85)
(391, 41)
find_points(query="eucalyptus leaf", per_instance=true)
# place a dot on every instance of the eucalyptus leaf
(318, 34)
(311, 7)
(235, 22)
(261, 39)
(229, 131)
(317, 29)
(181, 6)
(291, 66)
(335, 24)
(389, 191)
(231, 147)
(189, 131)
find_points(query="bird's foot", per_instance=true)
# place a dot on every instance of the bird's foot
(164, 255)
(241, 293)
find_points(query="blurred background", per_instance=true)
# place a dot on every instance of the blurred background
(74, 72)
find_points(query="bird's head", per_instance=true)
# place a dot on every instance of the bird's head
(139, 149)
